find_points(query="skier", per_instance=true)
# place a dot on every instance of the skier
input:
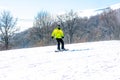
(58, 34)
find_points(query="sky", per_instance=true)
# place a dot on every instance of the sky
(83, 61)
(27, 10)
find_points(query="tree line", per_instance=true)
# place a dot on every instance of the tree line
(103, 26)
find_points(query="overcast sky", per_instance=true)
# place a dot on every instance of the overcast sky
(28, 9)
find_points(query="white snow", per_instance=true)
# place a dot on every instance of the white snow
(83, 61)
(115, 6)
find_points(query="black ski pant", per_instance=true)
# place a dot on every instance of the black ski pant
(60, 41)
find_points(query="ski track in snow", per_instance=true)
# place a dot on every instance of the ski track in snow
(83, 61)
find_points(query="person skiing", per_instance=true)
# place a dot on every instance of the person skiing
(58, 34)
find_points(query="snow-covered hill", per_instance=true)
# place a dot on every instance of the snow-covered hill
(115, 6)
(92, 12)
(83, 61)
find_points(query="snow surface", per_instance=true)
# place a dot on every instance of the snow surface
(83, 61)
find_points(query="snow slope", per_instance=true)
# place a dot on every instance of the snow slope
(84, 61)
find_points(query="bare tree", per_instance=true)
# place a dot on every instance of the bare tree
(42, 24)
(109, 24)
(7, 27)
(68, 22)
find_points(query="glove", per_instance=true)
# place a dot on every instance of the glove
(52, 37)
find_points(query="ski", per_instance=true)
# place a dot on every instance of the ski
(72, 50)
(61, 50)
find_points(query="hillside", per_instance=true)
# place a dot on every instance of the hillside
(83, 61)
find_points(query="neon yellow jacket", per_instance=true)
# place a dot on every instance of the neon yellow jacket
(57, 33)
